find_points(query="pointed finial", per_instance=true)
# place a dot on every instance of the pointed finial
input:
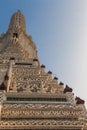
(17, 22)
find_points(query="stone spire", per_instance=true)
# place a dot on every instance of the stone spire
(17, 22)
(17, 42)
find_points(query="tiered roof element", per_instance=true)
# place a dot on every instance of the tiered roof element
(30, 97)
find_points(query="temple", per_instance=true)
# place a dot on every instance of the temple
(30, 97)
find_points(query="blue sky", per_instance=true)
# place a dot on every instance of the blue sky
(59, 29)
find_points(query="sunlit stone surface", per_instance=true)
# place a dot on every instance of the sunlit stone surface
(30, 97)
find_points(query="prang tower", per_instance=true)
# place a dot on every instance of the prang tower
(30, 97)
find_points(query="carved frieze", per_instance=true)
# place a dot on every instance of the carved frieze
(41, 124)
(26, 113)
(41, 106)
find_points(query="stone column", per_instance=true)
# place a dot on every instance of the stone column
(9, 73)
(2, 98)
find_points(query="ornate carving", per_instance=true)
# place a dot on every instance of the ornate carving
(32, 80)
(27, 113)
(27, 80)
(41, 124)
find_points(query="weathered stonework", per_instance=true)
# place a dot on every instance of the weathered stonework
(30, 98)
